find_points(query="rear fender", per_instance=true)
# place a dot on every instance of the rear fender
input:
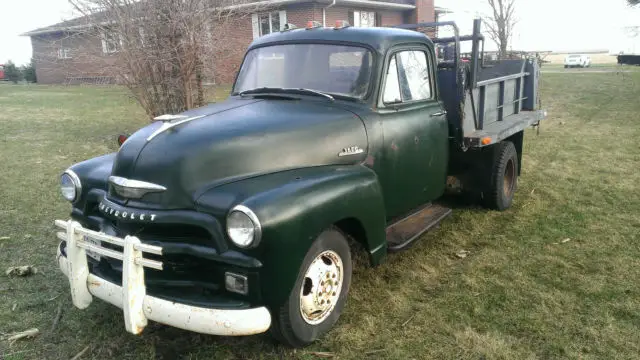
(294, 207)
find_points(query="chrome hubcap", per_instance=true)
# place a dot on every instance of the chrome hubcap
(321, 287)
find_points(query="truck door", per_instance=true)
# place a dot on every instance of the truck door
(415, 130)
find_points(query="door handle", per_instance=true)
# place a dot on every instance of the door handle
(441, 113)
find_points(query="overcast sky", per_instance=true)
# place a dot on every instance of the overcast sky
(559, 25)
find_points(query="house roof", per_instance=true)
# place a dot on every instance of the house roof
(75, 24)
(100, 18)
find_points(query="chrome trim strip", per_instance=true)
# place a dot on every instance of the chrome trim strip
(135, 184)
(169, 117)
(168, 125)
(76, 182)
(256, 225)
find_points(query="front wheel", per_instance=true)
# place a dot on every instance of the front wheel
(503, 179)
(319, 294)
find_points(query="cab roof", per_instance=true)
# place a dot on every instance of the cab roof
(378, 38)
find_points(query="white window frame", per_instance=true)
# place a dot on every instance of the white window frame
(357, 18)
(64, 53)
(114, 39)
(257, 28)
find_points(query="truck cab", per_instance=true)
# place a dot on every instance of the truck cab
(239, 217)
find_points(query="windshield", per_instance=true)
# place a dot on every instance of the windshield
(333, 69)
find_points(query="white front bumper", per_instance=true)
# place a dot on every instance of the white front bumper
(132, 297)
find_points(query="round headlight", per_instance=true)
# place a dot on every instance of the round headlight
(70, 185)
(243, 226)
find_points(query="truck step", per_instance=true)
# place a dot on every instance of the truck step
(405, 231)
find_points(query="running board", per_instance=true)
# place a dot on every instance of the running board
(407, 230)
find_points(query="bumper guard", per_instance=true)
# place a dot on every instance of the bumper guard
(131, 296)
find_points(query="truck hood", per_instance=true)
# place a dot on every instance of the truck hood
(236, 139)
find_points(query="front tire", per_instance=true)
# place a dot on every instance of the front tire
(319, 294)
(503, 179)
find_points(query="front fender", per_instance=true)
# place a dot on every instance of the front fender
(93, 174)
(294, 207)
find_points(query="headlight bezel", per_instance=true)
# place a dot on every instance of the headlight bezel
(76, 182)
(257, 227)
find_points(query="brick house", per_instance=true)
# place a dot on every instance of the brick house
(61, 57)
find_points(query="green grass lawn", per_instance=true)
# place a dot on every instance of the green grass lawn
(524, 291)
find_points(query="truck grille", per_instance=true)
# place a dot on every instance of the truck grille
(170, 233)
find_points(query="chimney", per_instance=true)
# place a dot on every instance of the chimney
(425, 11)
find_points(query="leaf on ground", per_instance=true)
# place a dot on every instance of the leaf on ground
(462, 254)
(323, 354)
(25, 270)
(566, 240)
(4, 238)
(27, 334)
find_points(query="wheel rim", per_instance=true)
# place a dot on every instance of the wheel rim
(509, 178)
(321, 287)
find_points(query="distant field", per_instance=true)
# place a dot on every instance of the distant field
(554, 277)
(595, 58)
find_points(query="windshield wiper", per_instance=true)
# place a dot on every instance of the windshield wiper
(284, 90)
(310, 91)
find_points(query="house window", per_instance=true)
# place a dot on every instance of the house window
(267, 23)
(364, 19)
(64, 53)
(408, 78)
(111, 42)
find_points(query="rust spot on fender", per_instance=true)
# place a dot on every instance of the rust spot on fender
(370, 160)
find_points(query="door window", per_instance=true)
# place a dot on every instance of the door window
(408, 78)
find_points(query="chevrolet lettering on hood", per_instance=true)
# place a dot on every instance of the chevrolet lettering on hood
(128, 215)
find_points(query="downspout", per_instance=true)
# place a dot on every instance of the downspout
(324, 12)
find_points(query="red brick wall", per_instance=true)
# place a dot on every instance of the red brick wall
(86, 59)
(425, 11)
(224, 55)
(230, 41)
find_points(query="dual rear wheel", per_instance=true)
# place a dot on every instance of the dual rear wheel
(502, 179)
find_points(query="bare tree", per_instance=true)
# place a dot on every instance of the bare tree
(633, 2)
(500, 23)
(159, 49)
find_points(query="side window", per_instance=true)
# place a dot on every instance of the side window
(408, 78)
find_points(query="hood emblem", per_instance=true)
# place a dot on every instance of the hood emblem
(169, 121)
(351, 150)
(133, 189)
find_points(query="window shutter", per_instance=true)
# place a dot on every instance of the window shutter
(356, 19)
(255, 25)
(378, 21)
(283, 19)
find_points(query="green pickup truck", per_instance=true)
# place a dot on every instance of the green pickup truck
(242, 216)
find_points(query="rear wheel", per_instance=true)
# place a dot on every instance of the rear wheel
(319, 294)
(503, 179)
